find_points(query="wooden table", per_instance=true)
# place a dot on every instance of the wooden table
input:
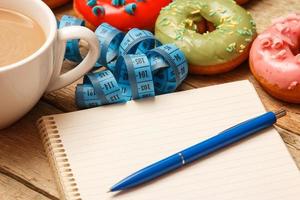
(24, 169)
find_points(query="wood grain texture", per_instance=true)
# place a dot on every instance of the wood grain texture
(11, 189)
(264, 11)
(24, 169)
(22, 155)
(64, 10)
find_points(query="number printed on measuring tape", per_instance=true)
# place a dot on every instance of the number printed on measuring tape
(138, 41)
(134, 75)
(98, 89)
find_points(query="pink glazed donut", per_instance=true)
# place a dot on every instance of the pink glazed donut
(275, 59)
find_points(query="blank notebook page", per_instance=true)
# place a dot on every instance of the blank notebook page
(106, 144)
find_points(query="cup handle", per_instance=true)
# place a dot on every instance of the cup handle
(59, 80)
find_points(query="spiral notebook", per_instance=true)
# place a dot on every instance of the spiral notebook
(91, 150)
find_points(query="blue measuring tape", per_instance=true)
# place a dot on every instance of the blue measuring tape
(72, 46)
(138, 66)
(138, 41)
(110, 39)
(134, 75)
(169, 68)
(98, 89)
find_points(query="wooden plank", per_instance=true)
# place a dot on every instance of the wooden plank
(64, 10)
(11, 189)
(290, 138)
(264, 11)
(22, 155)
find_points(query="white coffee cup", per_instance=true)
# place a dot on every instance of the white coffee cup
(23, 83)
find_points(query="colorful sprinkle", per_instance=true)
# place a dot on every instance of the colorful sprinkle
(293, 85)
(179, 34)
(98, 10)
(195, 12)
(280, 55)
(232, 44)
(212, 13)
(130, 8)
(282, 28)
(224, 11)
(231, 47)
(189, 22)
(277, 44)
(252, 22)
(234, 22)
(118, 2)
(222, 19)
(163, 21)
(166, 23)
(245, 32)
(91, 3)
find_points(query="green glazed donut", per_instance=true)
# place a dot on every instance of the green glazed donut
(212, 52)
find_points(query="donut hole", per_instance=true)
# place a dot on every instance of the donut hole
(210, 26)
(200, 26)
(205, 27)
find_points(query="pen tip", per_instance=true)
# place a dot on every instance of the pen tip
(280, 113)
(108, 191)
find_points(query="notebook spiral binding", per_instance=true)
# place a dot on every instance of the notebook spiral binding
(55, 151)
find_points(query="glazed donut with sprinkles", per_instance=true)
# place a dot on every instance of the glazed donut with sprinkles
(121, 14)
(221, 50)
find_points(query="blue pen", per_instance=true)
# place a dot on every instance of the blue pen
(199, 150)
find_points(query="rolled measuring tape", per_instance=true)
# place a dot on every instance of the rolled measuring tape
(138, 66)
(98, 89)
(138, 41)
(132, 80)
(114, 43)
(136, 76)
(169, 68)
(72, 46)
(110, 39)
